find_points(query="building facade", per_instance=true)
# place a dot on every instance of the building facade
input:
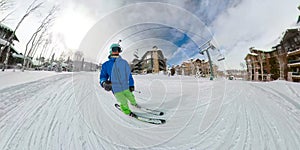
(195, 67)
(262, 65)
(289, 55)
(153, 61)
(291, 44)
(282, 62)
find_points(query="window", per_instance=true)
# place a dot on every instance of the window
(148, 56)
(2, 35)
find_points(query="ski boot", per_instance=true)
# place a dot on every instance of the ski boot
(132, 115)
(137, 106)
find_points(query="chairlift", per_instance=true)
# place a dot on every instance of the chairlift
(211, 46)
(221, 57)
(201, 52)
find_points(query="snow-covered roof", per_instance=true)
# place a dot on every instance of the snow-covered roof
(21, 56)
(283, 33)
(253, 54)
(53, 64)
(6, 27)
(18, 55)
(9, 29)
(280, 38)
(64, 64)
(194, 60)
(292, 28)
(263, 49)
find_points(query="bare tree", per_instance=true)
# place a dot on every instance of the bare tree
(41, 40)
(54, 47)
(46, 43)
(69, 54)
(38, 36)
(32, 7)
(243, 65)
(62, 57)
(6, 6)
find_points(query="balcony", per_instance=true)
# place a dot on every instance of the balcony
(293, 61)
(296, 75)
(294, 52)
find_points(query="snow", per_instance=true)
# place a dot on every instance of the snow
(254, 54)
(263, 49)
(12, 77)
(71, 111)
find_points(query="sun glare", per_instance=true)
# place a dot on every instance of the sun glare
(71, 26)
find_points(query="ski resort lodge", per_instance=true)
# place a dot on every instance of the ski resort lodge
(281, 62)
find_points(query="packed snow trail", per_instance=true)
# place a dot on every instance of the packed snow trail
(71, 111)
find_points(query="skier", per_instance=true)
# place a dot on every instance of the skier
(116, 76)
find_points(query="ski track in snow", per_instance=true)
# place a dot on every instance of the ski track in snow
(71, 111)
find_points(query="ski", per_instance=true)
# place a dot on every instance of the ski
(151, 111)
(143, 118)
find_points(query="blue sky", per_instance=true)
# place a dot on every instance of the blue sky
(177, 39)
(234, 26)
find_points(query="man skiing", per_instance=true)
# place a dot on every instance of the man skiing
(116, 76)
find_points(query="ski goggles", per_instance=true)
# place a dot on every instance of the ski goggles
(116, 49)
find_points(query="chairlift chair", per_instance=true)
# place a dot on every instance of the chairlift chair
(221, 57)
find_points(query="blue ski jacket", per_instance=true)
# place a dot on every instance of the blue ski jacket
(118, 72)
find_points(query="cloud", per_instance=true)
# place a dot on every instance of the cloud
(235, 24)
(252, 23)
(208, 10)
(133, 18)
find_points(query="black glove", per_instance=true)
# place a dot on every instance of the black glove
(131, 88)
(107, 85)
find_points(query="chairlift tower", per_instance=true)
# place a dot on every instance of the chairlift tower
(210, 46)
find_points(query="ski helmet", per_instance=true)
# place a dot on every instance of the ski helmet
(115, 48)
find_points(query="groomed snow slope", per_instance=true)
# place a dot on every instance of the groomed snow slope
(71, 111)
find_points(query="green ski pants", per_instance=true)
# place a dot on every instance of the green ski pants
(122, 98)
